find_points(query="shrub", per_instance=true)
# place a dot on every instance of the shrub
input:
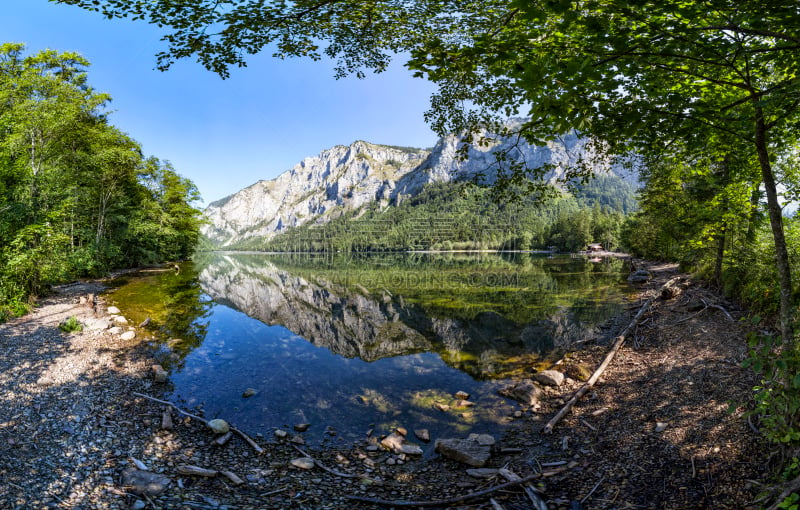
(70, 325)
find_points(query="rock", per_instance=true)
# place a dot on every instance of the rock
(640, 276)
(219, 426)
(159, 374)
(661, 426)
(281, 434)
(423, 434)
(549, 377)
(128, 335)
(297, 439)
(113, 310)
(393, 442)
(372, 448)
(120, 320)
(302, 427)
(525, 391)
(138, 505)
(402, 431)
(397, 444)
(466, 451)
(144, 483)
(116, 330)
(145, 323)
(441, 407)
(98, 324)
(462, 395)
(302, 463)
(249, 392)
(410, 449)
(482, 439)
(482, 473)
(464, 403)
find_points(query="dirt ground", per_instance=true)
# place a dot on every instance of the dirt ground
(656, 431)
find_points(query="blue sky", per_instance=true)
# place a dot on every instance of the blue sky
(224, 134)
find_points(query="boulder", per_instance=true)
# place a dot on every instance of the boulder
(116, 330)
(482, 439)
(525, 391)
(144, 483)
(549, 377)
(128, 335)
(219, 426)
(466, 451)
(113, 310)
(120, 320)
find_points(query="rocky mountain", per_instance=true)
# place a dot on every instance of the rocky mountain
(344, 179)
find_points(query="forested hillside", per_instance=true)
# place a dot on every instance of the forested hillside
(452, 216)
(77, 196)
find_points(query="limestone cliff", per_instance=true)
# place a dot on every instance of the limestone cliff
(345, 179)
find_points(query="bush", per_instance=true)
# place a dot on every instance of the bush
(777, 398)
(70, 325)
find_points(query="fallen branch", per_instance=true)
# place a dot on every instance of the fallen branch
(323, 466)
(548, 429)
(244, 436)
(450, 501)
(536, 500)
(721, 309)
(789, 488)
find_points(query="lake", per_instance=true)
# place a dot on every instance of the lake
(357, 343)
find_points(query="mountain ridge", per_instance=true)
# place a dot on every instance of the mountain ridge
(343, 179)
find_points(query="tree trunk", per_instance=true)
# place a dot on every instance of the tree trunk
(776, 222)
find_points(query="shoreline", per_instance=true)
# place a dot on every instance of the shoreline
(70, 426)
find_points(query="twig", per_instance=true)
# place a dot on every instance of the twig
(606, 361)
(444, 502)
(720, 308)
(323, 466)
(244, 436)
(593, 489)
(691, 316)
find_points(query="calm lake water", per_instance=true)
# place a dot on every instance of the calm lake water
(350, 344)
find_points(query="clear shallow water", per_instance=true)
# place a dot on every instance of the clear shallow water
(352, 344)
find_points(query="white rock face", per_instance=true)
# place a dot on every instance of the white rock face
(343, 179)
(318, 188)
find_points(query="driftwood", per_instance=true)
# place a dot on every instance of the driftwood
(189, 470)
(536, 500)
(323, 466)
(235, 480)
(548, 429)
(244, 436)
(445, 502)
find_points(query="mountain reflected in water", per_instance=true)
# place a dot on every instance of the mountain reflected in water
(350, 344)
(392, 306)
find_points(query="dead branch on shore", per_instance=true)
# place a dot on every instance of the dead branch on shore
(789, 488)
(548, 429)
(445, 502)
(244, 436)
